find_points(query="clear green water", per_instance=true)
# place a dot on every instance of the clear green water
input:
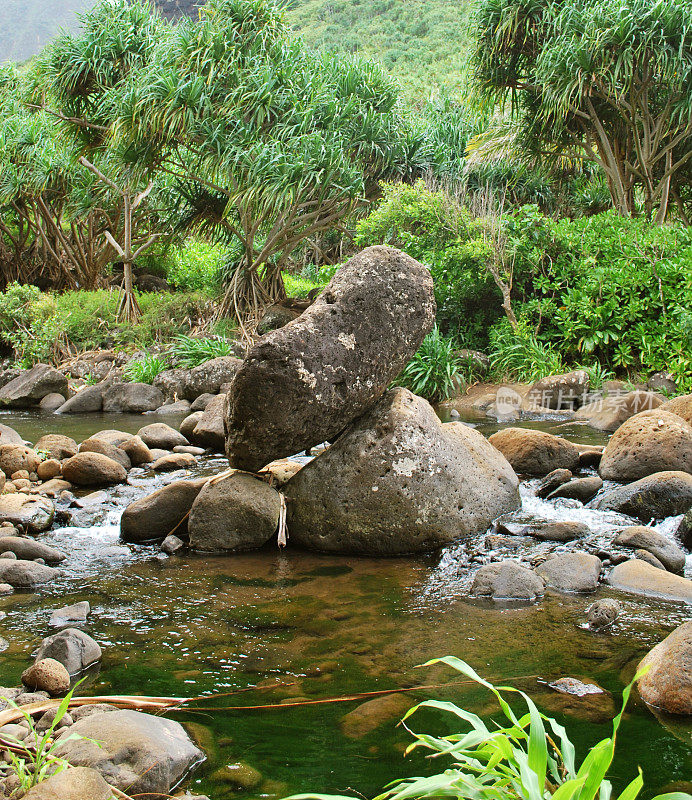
(328, 626)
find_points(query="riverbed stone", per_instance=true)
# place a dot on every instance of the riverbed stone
(112, 436)
(15, 457)
(582, 489)
(608, 413)
(171, 544)
(161, 436)
(76, 783)
(32, 385)
(187, 426)
(51, 402)
(658, 544)
(88, 400)
(559, 531)
(169, 409)
(173, 461)
(236, 513)
(682, 406)
(668, 683)
(9, 435)
(173, 383)
(21, 574)
(649, 442)
(136, 451)
(372, 714)
(638, 577)
(209, 430)
(32, 513)
(49, 469)
(645, 555)
(552, 481)
(603, 613)
(683, 532)
(661, 495)
(106, 449)
(74, 649)
(47, 675)
(161, 513)
(30, 549)
(202, 402)
(557, 392)
(532, 452)
(399, 481)
(133, 398)
(135, 752)
(507, 580)
(209, 377)
(571, 572)
(77, 612)
(303, 384)
(93, 469)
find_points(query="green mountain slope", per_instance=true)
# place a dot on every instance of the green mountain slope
(422, 42)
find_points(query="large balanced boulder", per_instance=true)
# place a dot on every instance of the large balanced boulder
(30, 512)
(55, 445)
(165, 511)
(668, 683)
(76, 783)
(399, 481)
(667, 551)
(638, 577)
(133, 398)
(661, 495)
(608, 413)
(74, 649)
(235, 513)
(532, 452)
(93, 469)
(682, 406)
(136, 753)
(649, 442)
(566, 391)
(31, 386)
(304, 383)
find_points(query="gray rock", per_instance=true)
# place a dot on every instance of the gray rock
(399, 481)
(209, 377)
(78, 783)
(664, 494)
(684, 530)
(658, 544)
(171, 544)
(161, 513)
(106, 449)
(161, 436)
(571, 572)
(532, 452)
(566, 531)
(236, 513)
(668, 683)
(88, 400)
(73, 648)
(202, 402)
(560, 391)
(187, 426)
(608, 413)
(22, 574)
(93, 469)
(51, 402)
(552, 481)
(174, 461)
(638, 577)
(507, 580)
(81, 712)
(582, 489)
(173, 383)
(31, 386)
(78, 612)
(209, 430)
(179, 407)
(29, 549)
(134, 752)
(32, 513)
(304, 383)
(603, 613)
(9, 435)
(645, 555)
(650, 442)
(133, 398)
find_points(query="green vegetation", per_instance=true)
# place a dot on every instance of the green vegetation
(145, 368)
(190, 351)
(434, 370)
(528, 756)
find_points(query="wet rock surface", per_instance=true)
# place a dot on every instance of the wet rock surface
(668, 683)
(532, 452)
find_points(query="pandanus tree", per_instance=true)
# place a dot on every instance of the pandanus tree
(268, 142)
(607, 81)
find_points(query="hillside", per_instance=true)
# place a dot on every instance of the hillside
(419, 41)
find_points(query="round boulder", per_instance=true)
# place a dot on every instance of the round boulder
(571, 572)
(106, 449)
(668, 683)
(47, 675)
(15, 457)
(532, 452)
(57, 446)
(161, 513)
(93, 469)
(161, 436)
(649, 442)
(507, 580)
(136, 451)
(399, 481)
(638, 577)
(235, 513)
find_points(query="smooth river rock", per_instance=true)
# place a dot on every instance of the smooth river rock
(74, 649)
(78, 783)
(32, 385)
(304, 383)
(160, 436)
(93, 469)
(507, 580)
(133, 398)
(668, 683)
(55, 445)
(571, 572)
(30, 549)
(532, 452)
(26, 574)
(30, 512)
(161, 513)
(663, 494)
(399, 481)
(682, 406)
(668, 552)
(638, 577)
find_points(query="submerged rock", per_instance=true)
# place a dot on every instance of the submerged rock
(532, 452)
(507, 580)
(658, 544)
(399, 481)
(303, 384)
(571, 572)
(661, 495)
(135, 752)
(638, 577)
(31, 386)
(368, 716)
(78, 612)
(649, 442)
(154, 517)
(603, 613)
(668, 683)
(236, 513)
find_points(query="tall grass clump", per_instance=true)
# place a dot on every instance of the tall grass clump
(525, 756)
(190, 351)
(519, 355)
(145, 369)
(434, 370)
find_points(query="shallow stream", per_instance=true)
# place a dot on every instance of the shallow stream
(284, 628)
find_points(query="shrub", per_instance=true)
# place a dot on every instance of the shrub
(520, 356)
(523, 757)
(189, 351)
(144, 369)
(195, 266)
(431, 373)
